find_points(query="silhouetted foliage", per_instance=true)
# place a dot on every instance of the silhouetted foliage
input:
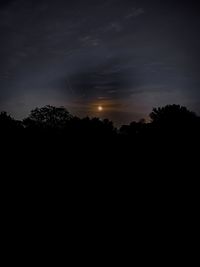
(48, 117)
(8, 123)
(175, 120)
(172, 114)
(133, 129)
(52, 139)
(49, 122)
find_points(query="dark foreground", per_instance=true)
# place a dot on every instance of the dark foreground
(53, 143)
(131, 190)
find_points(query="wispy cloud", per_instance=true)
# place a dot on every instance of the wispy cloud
(114, 26)
(135, 13)
(89, 40)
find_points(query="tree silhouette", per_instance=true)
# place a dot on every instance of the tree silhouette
(57, 125)
(172, 114)
(175, 121)
(48, 117)
(134, 128)
(8, 123)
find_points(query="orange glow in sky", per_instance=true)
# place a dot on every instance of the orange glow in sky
(100, 108)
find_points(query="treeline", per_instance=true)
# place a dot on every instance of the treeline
(93, 155)
(171, 121)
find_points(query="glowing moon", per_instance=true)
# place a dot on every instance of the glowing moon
(100, 108)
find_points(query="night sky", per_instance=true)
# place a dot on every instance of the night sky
(126, 56)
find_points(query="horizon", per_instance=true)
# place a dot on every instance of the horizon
(145, 120)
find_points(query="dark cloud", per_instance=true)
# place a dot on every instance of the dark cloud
(103, 81)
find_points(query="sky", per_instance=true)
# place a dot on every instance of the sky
(126, 56)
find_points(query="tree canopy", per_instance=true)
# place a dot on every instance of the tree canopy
(48, 117)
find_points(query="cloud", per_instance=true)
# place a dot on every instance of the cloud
(105, 80)
(136, 12)
(114, 26)
(89, 40)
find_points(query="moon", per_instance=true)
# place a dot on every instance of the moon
(100, 108)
